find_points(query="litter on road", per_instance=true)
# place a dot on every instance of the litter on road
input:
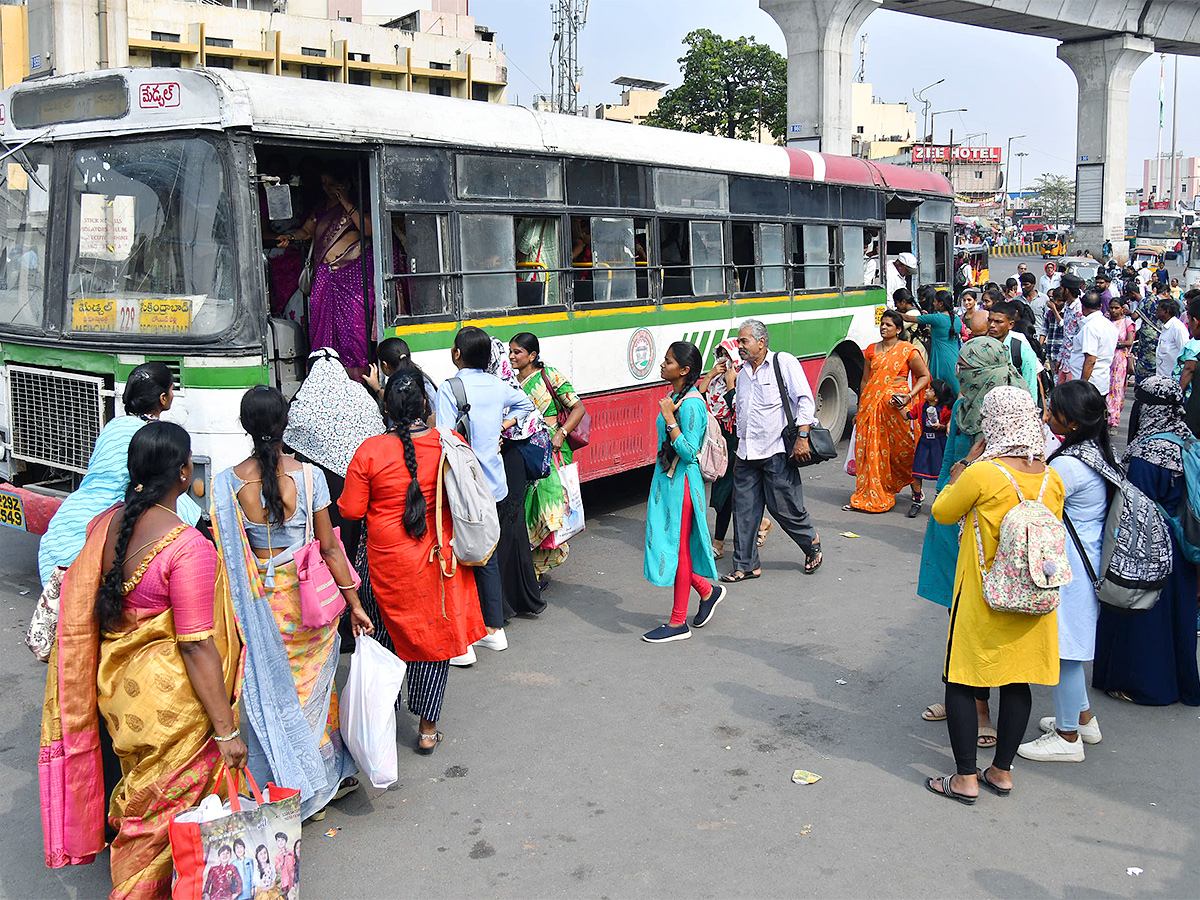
(800, 776)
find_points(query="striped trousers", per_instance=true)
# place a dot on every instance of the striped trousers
(426, 680)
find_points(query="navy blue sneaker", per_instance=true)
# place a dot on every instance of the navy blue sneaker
(704, 613)
(665, 633)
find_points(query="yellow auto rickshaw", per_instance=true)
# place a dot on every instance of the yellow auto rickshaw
(1054, 243)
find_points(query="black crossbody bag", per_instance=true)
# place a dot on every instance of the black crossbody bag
(820, 441)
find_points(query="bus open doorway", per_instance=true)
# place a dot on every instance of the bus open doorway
(318, 253)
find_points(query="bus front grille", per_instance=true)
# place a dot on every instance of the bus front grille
(55, 416)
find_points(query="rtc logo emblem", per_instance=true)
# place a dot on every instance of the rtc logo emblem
(641, 353)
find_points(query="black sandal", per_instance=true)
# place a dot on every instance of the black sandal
(737, 575)
(813, 562)
(425, 751)
(981, 774)
(947, 791)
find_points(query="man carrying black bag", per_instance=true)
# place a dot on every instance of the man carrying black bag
(766, 472)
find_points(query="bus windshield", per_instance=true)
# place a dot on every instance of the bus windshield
(24, 211)
(1160, 226)
(150, 236)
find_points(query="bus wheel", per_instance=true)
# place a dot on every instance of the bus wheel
(833, 397)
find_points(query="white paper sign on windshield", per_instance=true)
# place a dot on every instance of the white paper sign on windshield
(106, 226)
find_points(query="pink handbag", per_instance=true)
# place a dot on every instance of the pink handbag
(321, 600)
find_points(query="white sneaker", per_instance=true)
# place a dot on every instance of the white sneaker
(1089, 733)
(1052, 747)
(495, 641)
(467, 659)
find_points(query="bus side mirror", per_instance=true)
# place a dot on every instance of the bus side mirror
(279, 202)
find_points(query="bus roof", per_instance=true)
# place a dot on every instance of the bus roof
(221, 98)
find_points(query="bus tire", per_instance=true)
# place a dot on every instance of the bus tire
(833, 397)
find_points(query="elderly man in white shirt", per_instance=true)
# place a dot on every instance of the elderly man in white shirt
(898, 272)
(765, 474)
(1095, 345)
(1171, 339)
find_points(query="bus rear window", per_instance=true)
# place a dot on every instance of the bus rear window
(151, 240)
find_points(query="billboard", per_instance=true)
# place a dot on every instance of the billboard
(925, 153)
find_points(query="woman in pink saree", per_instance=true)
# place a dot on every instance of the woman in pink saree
(338, 306)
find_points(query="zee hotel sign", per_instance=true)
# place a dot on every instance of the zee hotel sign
(925, 154)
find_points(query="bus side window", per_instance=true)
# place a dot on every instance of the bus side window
(420, 250)
(926, 241)
(641, 259)
(771, 254)
(854, 248)
(941, 264)
(538, 260)
(744, 258)
(611, 252)
(812, 255)
(708, 258)
(871, 271)
(488, 248)
(674, 254)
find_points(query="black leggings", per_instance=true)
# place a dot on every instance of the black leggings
(962, 721)
(724, 516)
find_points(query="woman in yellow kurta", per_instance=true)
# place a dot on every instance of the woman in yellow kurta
(986, 648)
(885, 439)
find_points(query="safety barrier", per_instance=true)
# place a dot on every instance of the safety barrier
(1034, 249)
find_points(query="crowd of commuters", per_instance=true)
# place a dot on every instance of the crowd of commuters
(352, 469)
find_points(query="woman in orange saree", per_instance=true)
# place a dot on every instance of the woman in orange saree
(142, 643)
(884, 436)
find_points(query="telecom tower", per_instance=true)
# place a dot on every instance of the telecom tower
(569, 19)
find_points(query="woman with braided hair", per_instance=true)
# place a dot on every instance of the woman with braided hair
(430, 618)
(144, 642)
(678, 551)
(265, 509)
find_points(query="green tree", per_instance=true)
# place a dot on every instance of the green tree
(728, 89)
(1056, 195)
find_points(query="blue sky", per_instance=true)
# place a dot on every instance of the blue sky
(1010, 84)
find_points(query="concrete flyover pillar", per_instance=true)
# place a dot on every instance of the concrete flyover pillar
(1103, 69)
(820, 43)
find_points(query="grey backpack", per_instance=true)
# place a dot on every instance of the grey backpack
(462, 486)
(1135, 554)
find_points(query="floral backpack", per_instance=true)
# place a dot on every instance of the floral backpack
(1030, 564)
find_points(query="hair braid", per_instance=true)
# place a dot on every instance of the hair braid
(414, 499)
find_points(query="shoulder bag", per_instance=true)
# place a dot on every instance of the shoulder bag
(321, 600)
(820, 441)
(581, 434)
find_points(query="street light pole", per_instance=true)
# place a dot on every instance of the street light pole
(1007, 165)
(933, 124)
(925, 104)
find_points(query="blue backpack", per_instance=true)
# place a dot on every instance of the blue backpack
(1186, 524)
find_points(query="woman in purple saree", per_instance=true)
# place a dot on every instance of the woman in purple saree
(338, 307)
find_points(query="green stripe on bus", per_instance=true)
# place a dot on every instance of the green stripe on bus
(98, 363)
(557, 325)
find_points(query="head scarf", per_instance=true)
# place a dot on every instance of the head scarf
(500, 366)
(983, 364)
(1011, 425)
(1160, 412)
(715, 398)
(331, 415)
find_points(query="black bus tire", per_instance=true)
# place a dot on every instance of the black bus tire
(833, 397)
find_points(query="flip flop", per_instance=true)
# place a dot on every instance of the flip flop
(736, 576)
(947, 791)
(987, 736)
(981, 774)
(763, 531)
(934, 712)
(812, 563)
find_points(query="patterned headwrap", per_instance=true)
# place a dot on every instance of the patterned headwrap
(1160, 412)
(715, 398)
(500, 366)
(1011, 425)
(331, 415)
(983, 364)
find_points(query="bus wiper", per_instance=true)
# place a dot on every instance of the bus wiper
(19, 152)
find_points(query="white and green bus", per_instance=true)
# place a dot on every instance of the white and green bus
(140, 207)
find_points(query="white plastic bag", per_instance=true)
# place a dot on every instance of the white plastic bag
(851, 468)
(368, 710)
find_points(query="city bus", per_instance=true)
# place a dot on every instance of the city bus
(141, 209)
(1159, 226)
(1191, 274)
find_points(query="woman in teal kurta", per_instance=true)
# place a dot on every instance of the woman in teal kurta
(944, 344)
(677, 543)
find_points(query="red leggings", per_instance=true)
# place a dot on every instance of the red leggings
(685, 578)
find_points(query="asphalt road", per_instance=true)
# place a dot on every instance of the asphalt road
(583, 762)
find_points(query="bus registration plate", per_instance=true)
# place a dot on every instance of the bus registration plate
(12, 510)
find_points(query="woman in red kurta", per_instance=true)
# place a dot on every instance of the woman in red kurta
(430, 618)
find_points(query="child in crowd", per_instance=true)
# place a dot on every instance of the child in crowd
(934, 416)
